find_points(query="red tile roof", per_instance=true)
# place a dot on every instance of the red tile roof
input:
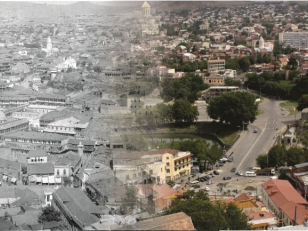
(286, 198)
(260, 215)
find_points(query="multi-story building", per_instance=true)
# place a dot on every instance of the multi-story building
(53, 116)
(23, 141)
(212, 92)
(68, 127)
(297, 40)
(11, 101)
(11, 125)
(285, 202)
(216, 66)
(162, 165)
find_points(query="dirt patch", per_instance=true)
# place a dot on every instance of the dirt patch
(250, 188)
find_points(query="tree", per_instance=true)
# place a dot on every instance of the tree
(130, 200)
(233, 108)
(244, 63)
(232, 82)
(295, 156)
(262, 161)
(277, 156)
(208, 215)
(293, 63)
(183, 111)
(302, 102)
(49, 214)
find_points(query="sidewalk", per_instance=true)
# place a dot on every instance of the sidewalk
(238, 141)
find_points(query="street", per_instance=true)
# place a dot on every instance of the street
(250, 145)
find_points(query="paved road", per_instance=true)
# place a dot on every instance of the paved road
(251, 145)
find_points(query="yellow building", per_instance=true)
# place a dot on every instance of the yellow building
(175, 164)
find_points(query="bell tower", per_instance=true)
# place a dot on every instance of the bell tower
(146, 10)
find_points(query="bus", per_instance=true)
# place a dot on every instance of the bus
(248, 173)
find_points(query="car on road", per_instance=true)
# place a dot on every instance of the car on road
(227, 178)
(255, 130)
(233, 169)
(207, 189)
(196, 186)
(216, 172)
(239, 173)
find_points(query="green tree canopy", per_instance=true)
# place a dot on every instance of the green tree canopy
(232, 82)
(302, 102)
(207, 215)
(187, 88)
(262, 161)
(233, 108)
(49, 214)
(277, 156)
(183, 111)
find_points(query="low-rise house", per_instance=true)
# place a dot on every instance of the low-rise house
(42, 173)
(289, 137)
(37, 156)
(66, 165)
(262, 220)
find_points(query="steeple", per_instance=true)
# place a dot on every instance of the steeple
(146, 10)
(49, 44)
(261, 43)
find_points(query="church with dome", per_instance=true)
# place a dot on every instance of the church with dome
(149, 25)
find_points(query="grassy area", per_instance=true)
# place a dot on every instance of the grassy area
(226, 133)
(260, 112)
(289, 106)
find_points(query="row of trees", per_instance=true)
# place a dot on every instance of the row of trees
(179, 65)
(187, 87)
(273, 83)
(180, 111)
(278, 156)
(207, 215)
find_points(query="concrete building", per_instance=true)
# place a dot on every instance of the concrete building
(297, 40)
(212, 92)
(216, 66)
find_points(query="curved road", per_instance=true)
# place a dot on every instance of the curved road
(251, 145)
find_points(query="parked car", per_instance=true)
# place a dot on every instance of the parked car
(230, 159)
(209, 182)
(196, 186)
(227, 178)
(216, 172)
(255, 130)
(207, 189)
(233, 169)
(239, 173)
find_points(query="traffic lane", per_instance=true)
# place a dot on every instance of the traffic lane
(261, 147)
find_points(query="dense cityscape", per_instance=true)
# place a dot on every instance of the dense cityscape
(154, 115)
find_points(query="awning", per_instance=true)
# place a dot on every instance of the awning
(13, 180)
(58, 180)
(38, 179)
(51, 179)
(32, 179)
(45, 180)
(4, 177)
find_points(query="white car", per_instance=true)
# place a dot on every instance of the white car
(239, 173)
(207, 189)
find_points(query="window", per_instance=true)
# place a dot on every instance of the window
(58, 172)
(168, 171)
(64, 172)
(168, 164)
(167, 158)
(151, 172)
